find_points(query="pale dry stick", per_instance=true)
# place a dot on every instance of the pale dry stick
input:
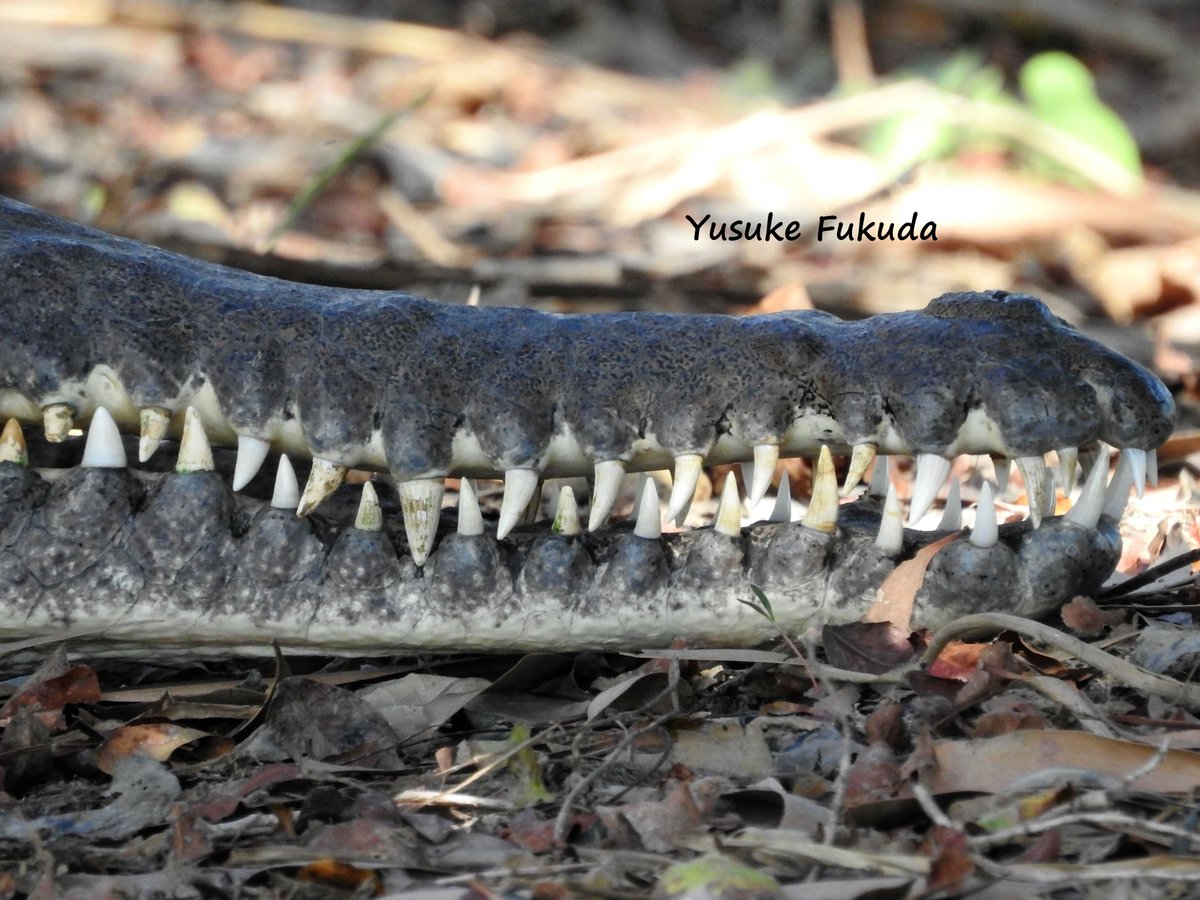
(1158, 868)
(1124, 671)
(929, 806)
(1110, 820)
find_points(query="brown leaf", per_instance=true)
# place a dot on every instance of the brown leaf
(951, 865)
(875, 776)
(872, 647)
(992, 764)
(958, 660)
(885, 725)
(894, 602)
(157, 740)
(52, 687)
(1086, 619)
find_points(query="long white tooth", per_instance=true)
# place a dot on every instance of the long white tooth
(103, 449)
(154, 421)
(470, 519)
(931, 474)
(1068, 462)
(421, 505)
(606, 484)
(987, 530)
(1050, 495)
(952, 514)
(57, 421)
(1033, 473)
(1088, 508)
(859, 460)
(324, 478)
(683, 488)
(12, 444)
(881, 479)
(729, 510)
(566, 520)
(649, 517)
(287, 491)
(195, 453)
(1152, 467)
(823, 507)
(1117, 497)
(251, 452)
(1002, 465)
(1137, 465)
(782, 510)
(369, 516)
(519, 487)
(891, 525)
(766, 458)
(1089, 456)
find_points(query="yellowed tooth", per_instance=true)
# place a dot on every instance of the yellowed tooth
(324, 478)
(729, 510)
(57, 421)
(1068, 462)
(823, 507)
(369, 516)
(1033, 473)
(766, 458)
(195, 453)
(154, 421)
(12, 444)
(421, 505)
(859, 461)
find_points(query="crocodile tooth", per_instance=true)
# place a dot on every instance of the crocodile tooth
(987, 530)
(195, 453)
(890, 539)
(566, 520)
(1088, 508)
(470, 519)
(859, 460)
(606, 484)
(1152, 467)
(729, 510)
(369, 516)
(683, 488)
(324, 478)
(931, 474)
(154, 421)
(881, 480)
(421, 505)
(782, 510)
(1033, 473)
(952, 514)
(1117, 497)
(251, 452)
(1050, 494)
(822, 511)
(57, 421)
(519, 487)
(649, 517)
(1089, 456)
(1068, 463)
(12, 444)
(1137, 465)
(1002, 465)
(287, 491)
(103, 449)
(766, 458)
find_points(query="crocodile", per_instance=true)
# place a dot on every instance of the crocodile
(245, 378)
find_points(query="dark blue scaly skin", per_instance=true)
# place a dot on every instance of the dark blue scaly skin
(422, 389)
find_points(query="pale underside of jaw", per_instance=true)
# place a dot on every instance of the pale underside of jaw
(421, 498)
